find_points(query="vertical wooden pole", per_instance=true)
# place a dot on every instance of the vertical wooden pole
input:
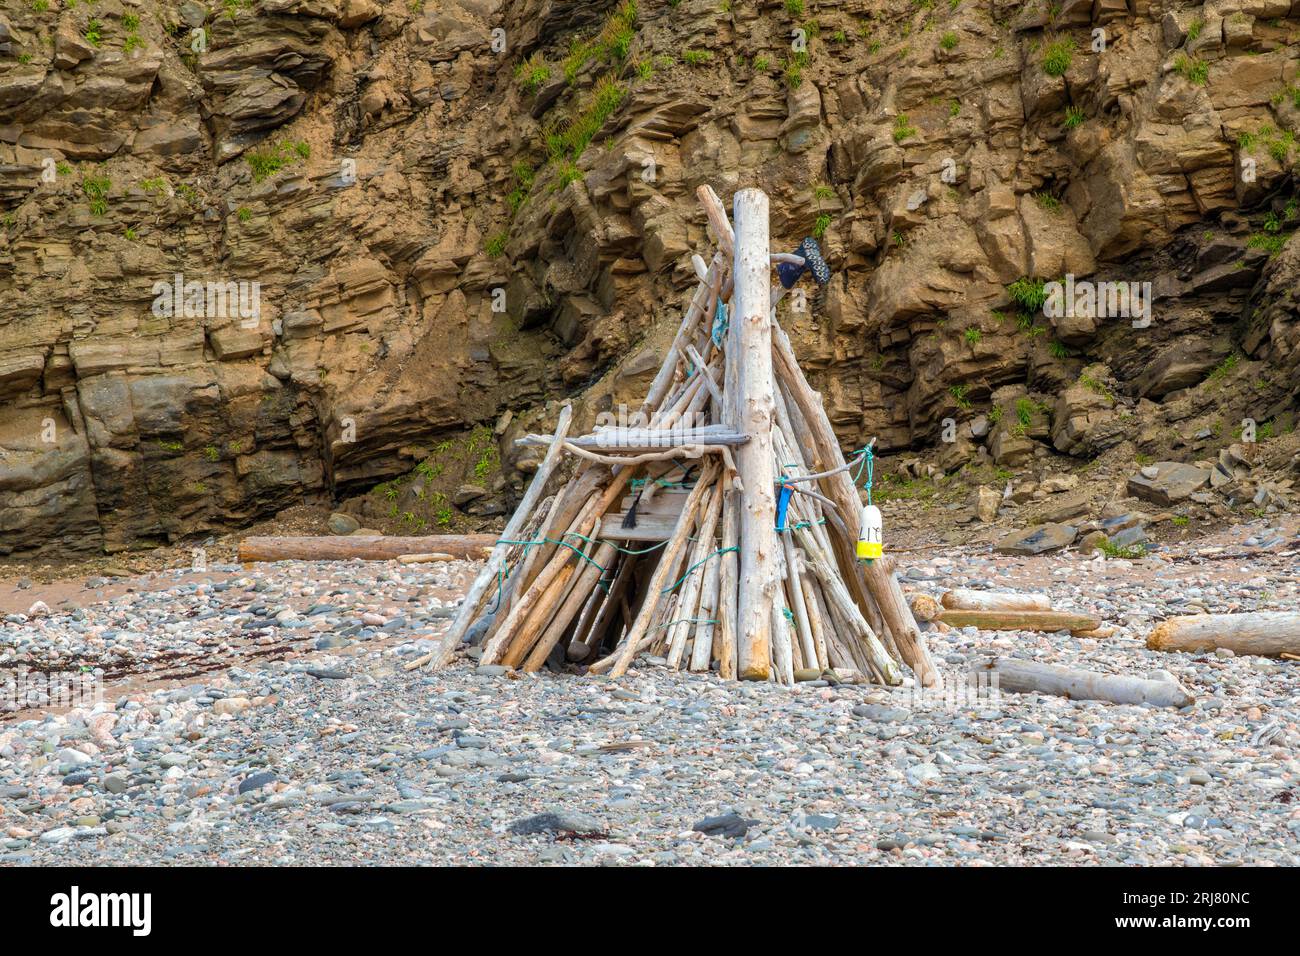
(751, 306)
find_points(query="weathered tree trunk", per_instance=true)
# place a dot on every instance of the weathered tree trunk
(758, 542)
(363, 547)
(1020, 620)
(1031, 677)
(965, 599)
(1265, 633)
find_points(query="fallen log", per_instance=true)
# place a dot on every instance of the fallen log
(1264, 633)
(1020, 620)
(964, 599)
(364, 547)
(1031, 677)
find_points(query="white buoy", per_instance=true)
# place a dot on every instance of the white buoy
(871, 541)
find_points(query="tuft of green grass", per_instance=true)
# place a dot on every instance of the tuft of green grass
(902, 128)
(1193, 70)
(576, 135)
(1224, 369)
(1131, 552)
(533, 73)
(94, 32)
(949, 40)
(269, 161)
(973, 335)
(958, 392)
(96, 190)
(1270, 243)
(496, 245)
(1057, 56)
(794, 7)
(1029, 294)
(1096, 386)
(1047, 202)
(821, 225)
(696, 57)
(1074, 116)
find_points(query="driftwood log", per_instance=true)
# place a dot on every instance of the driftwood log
(364, 547)
(965, 599)
(1020, 620)
(1264, 633)
(1031, 677)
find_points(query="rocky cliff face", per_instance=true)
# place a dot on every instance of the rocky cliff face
(261, 251)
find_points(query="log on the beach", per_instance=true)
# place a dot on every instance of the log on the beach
(1020, 620)
(364, 547)
(1263, 633)
(965, 599)
(1031, 677)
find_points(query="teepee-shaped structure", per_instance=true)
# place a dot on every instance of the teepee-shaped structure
(720, 526)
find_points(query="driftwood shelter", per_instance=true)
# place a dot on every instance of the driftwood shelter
(721, 528)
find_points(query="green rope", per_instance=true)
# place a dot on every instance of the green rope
(563, 544)
(690, 620)
(653, 547)
(668, 590)
(789, 615)
(641, 482)
(805, 524)
(503, 572)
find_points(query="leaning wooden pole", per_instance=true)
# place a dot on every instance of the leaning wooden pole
(758, 544)
(496, 563)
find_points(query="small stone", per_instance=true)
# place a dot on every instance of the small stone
(731, 825)
(340, 523)
(566, 822)
(256, 781)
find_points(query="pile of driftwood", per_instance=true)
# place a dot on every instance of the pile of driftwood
(718, 529)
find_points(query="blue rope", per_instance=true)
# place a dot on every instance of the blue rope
(871, 467)
(720, 324)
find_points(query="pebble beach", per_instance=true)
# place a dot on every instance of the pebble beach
(263, 715)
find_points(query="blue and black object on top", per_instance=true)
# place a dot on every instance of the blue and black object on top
(811, 254)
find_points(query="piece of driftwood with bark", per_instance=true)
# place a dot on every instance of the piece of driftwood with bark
(363, 547)
(718, 529)
(1264, 633)
(1032, 677)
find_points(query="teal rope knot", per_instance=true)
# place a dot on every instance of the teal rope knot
(674, 587)
(720, 324)
(868, 462)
